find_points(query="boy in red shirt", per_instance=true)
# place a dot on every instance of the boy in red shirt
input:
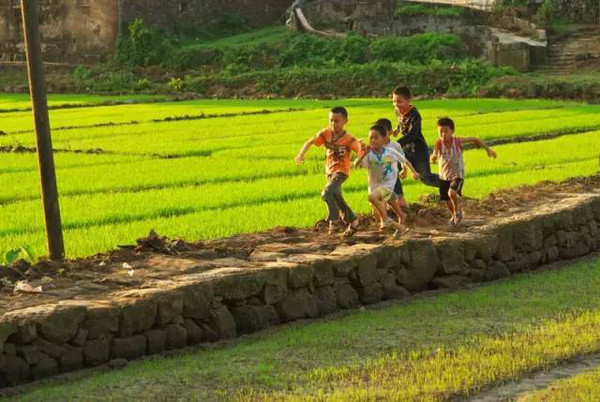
(339, 146)
(448, 151)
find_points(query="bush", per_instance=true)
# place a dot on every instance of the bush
(423, 9)
(545, 14)
(142, 46)
(421, 48)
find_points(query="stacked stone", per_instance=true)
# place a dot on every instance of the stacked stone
(283, 284)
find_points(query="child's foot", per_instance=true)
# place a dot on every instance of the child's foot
(333, 228)
(350, 231)
(459, 217)
(401, 232)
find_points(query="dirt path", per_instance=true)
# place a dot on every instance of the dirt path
(539, 380)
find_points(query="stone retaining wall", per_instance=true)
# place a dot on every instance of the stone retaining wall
(289, 284)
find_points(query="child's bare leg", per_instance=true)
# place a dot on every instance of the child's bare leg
(379, 206)
(395, 204)
(455, 201)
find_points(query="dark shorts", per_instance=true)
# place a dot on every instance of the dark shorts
(398, 188)
(446, 185)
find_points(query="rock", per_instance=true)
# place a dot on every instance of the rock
(300, 276)
(26, 333)
(297, 304)
(505, 250)
(346, 296)
(276, 285)
(391, 290)
(10, 349)
(137, 317)
(222, 323)
(370, 294)
(170, 305)
(451, 281)
(477, 275)
(390, 257)
(253, 318)
(266, 256)
(343, 266)
(208, 334)
(128, 348)
(576, 250)
(193, 331)
(479, 264)
(14, 369)
(452, 256)
(45, 367)
(519, 264)
(62, 324)
(71, 359)
(6, 330)
(101, 320)
(80, 337)
(51, 349)
(326, 300)
(421, 265)
(116, 364)
(530, 235)
(157, 341)
(550, 241)
(497, 270)
(238, 285)
(176, 336)
(30, 353)
(96, 351)
(366, 272)
(197, 301)
(552, 254)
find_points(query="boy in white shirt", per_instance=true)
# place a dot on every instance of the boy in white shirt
(398, 190)
(382, 164)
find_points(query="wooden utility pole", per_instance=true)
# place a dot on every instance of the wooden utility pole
(37, 88)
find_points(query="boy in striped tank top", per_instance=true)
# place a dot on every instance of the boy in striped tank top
(448, 153)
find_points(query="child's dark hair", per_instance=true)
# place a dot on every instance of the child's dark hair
(403, 92)
(446, 122)
(379, 129)
(385, 123)
(340, 110)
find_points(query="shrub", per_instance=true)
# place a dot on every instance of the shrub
(142, 46)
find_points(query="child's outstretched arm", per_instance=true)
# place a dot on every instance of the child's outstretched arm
(300, 158)
(481, 144)
(361, 156)
(415, 174)
(436, 153)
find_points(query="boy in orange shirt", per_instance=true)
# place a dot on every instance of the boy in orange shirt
(339, 146)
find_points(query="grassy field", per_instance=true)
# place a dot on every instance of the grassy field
(198, 178)
(433, 348)
(582, 387)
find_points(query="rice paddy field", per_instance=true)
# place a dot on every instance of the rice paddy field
(201, 169)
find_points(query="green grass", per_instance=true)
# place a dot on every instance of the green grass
(196, 179)
(582, 387)
(23, 101)
(424, 9)
(432, 348)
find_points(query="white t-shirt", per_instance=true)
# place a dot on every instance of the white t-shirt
(397, 147)
(383, 167)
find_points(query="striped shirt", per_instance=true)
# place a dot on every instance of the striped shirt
(450, 159)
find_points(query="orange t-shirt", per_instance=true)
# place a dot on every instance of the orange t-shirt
(338, 150)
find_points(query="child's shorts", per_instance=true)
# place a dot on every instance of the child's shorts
(446, 185)
(398, 190)
(385, 193)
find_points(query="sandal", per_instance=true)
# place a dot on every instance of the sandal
(400, 233)
(350, 231)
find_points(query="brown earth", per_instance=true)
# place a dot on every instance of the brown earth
(156, 258)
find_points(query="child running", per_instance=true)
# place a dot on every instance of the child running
(398, 190)
(448, 151)
(339, 146)
(382, 164)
